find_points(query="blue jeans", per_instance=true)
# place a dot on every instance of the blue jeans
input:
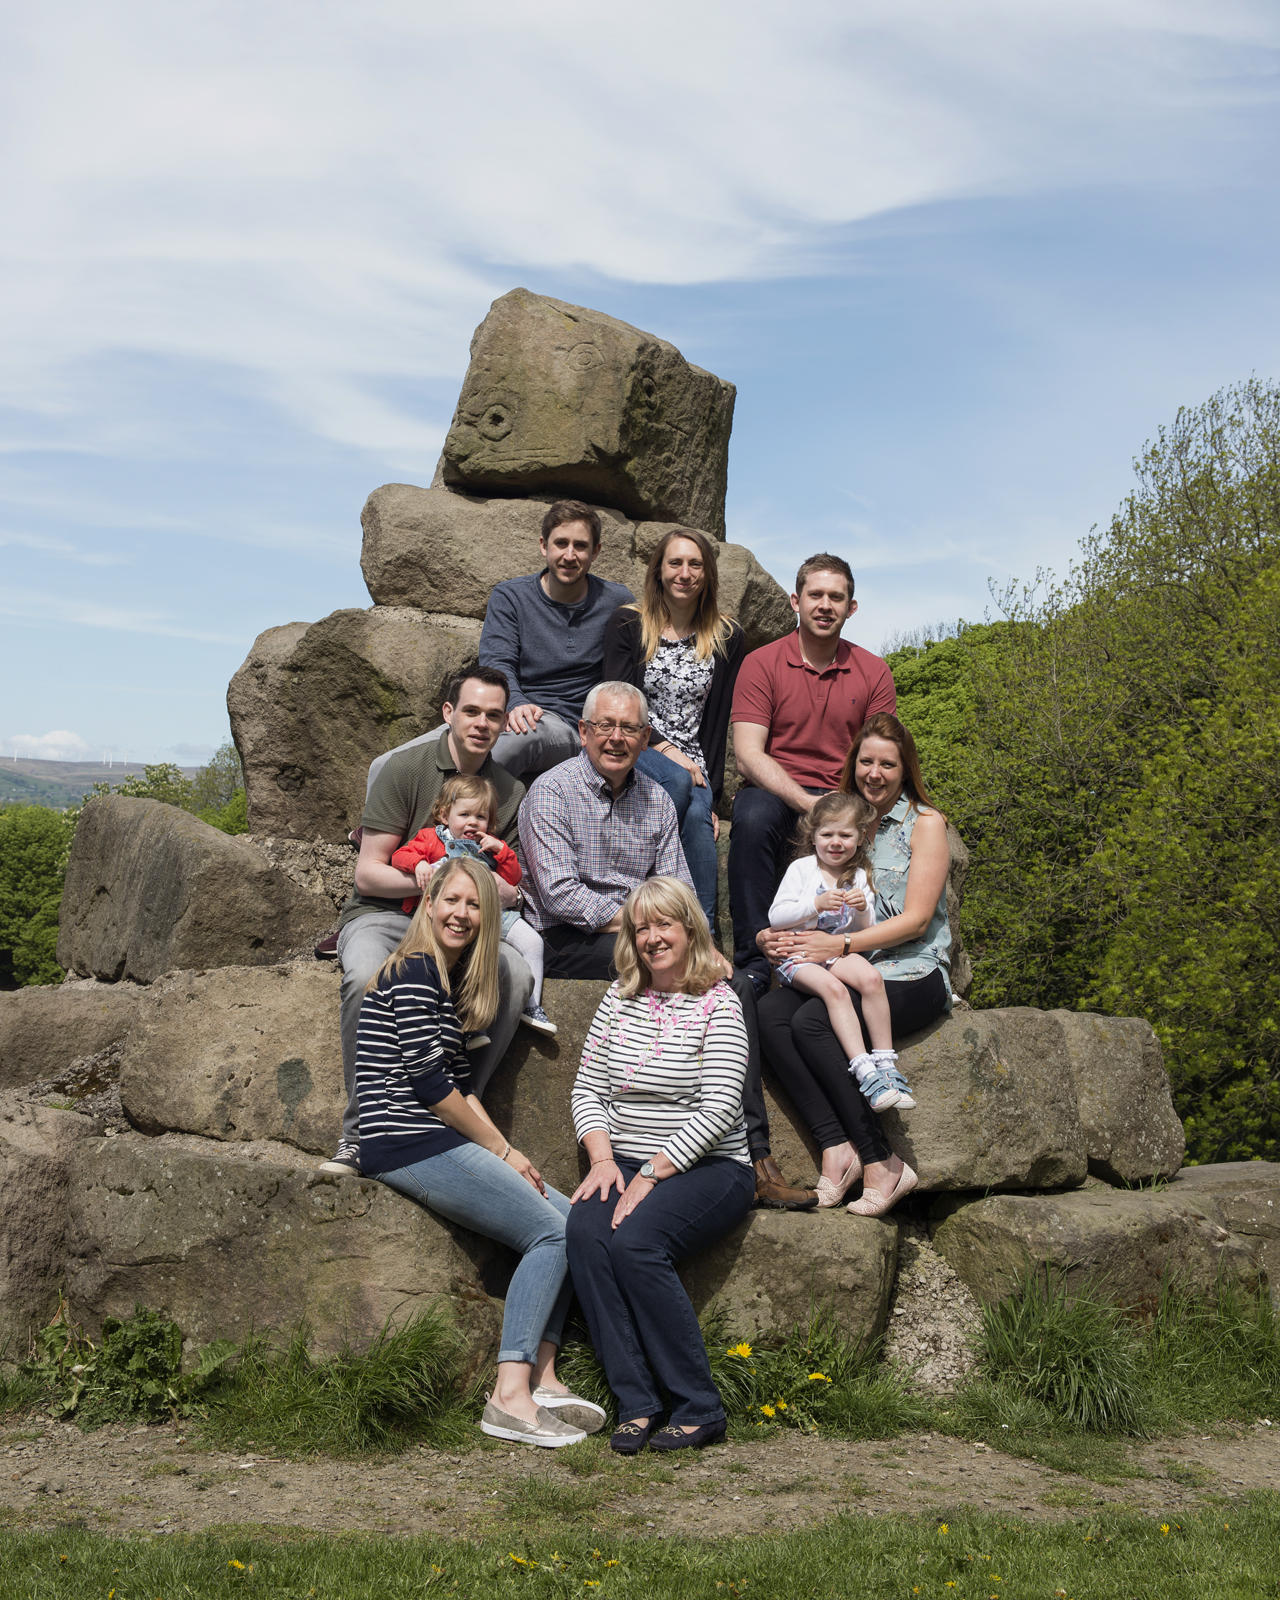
(471, 1186)
(693, 813)
(641, 1321)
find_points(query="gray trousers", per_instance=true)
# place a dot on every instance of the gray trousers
(524, 755)
(363, 945)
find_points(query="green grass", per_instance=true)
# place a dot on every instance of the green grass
(400, 1390)
(1232, 1555)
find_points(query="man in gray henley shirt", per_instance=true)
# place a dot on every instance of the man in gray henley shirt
(546, 632)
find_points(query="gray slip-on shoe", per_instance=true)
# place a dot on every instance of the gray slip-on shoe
(571, 1408)
(547, 1431)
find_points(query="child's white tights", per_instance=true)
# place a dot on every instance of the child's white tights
(528, 941)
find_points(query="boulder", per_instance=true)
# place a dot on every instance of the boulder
(1119, 1243)
(150, 888)
(239, 1053)
(317, 867)
(1132, 1133)
(444, 551)
(44, 1028)
(996, 1105)
(1247, 1196)
(36, 1146)
(779, 1269)
(312, 706)
(226, 1245)
(563, 400)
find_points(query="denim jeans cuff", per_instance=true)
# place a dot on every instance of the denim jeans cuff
(518, 1355)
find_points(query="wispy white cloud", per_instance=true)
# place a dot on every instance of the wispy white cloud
(59, 745)
(319, 197)
(46, 544)
(30, 605)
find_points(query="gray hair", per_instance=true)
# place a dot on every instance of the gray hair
(614, 687)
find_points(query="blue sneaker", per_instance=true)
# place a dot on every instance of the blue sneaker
(535, 1017)
(879, 1091)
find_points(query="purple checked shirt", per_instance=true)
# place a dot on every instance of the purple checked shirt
(585, 851)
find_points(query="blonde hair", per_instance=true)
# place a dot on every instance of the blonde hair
(712, 630)
(477, 1000)
(465, 786)
(830, 808)
(665, 897)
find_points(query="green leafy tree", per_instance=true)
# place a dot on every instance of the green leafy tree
(216, 785)
(1117, 787)
(34, 844)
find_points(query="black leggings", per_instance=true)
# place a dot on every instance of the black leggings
(799, 1044)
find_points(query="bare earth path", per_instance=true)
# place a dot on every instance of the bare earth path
(157, 1479)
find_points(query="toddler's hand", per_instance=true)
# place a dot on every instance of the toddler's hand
(422, 873)
(489, 844)
(831, 900)
(856, 899)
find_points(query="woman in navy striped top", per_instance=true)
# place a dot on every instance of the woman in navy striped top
(423, 1133)
(658, 1106)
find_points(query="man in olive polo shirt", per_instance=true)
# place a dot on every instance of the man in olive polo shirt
(796, 706)
(399, 805)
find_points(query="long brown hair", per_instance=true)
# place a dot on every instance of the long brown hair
(886, 726)
(666, 897)
(712, 630)
(477, 1001)
(832, 808)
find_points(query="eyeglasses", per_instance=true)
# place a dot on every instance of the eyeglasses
(605, 730)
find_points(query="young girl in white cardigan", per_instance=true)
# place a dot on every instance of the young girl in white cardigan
(828, 887)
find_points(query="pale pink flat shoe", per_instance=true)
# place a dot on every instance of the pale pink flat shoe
(875, 1205)
(831, 1191)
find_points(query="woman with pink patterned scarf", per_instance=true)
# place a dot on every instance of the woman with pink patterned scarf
(658, 1107)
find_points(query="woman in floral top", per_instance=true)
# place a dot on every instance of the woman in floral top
(910, 946)
(658, 1106)
(679, 647)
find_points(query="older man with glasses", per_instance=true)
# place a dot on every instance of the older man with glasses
(592, 829)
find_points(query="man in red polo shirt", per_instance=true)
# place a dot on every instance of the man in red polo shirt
(796, 707)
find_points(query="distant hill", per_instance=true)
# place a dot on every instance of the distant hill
(62, 783)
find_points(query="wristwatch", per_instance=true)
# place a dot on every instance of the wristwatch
(646, 1171)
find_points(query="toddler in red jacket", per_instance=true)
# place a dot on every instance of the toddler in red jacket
(464, 816)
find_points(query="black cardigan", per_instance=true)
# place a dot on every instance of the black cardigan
(624, 663)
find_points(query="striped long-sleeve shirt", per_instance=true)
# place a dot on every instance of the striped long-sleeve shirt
(409, 1057)
(585, 848)
(665, 1072)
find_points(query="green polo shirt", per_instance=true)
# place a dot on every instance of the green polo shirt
(404, 795)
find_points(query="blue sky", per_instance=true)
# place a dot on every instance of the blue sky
(961, 259)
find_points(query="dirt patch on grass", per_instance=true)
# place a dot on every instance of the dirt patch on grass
(160, 1479)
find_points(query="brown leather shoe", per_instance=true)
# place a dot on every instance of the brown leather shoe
(773, 1190)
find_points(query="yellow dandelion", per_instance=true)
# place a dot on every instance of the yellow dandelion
(818, 1377)
(596, 1554)
(612, 1563)
(781, 1405)
(768, 1411)
(238, 1565)
(519, 1560)
(943, 1528)
(743, 1350)
(1164, 1527)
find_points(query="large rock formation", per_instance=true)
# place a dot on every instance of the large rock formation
(225, 1245)
(779, 1269)
(239, 1053)
(443, 551)
(1247, 1197)
(312, 706)
(43, 1029)
(996, 1105)
(566, 400)
(1120, 1243)
(36, 1147)
(1131, 1131)
(150, 888)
